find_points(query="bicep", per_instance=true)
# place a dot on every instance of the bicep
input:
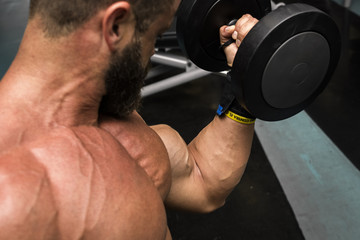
(176, 149)
(187, 190)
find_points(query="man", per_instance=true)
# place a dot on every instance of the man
(65, 172)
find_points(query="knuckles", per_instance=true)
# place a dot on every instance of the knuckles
(237, 32)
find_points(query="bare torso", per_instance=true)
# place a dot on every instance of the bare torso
(77, 183)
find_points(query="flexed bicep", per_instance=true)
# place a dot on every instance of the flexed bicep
(188, 189)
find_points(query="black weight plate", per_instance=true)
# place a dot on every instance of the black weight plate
(198, 23)
(301, 71)
(286, 61)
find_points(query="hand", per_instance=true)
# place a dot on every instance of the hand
(238, 33)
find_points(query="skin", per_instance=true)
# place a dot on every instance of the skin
(90, 196)
(66, 173)
(238, 33)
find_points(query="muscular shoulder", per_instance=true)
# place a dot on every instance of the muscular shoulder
(133, 133)
(75, 181)
(44, 181)
(78, 146)
(26, 198)
(145, 146)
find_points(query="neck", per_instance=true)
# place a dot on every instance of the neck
(49, 81)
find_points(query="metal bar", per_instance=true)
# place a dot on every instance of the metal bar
(173, 82)
(221, 74)
(167, 40)
(156, 71)
(275, 6)
(170, 60)
(347, 3)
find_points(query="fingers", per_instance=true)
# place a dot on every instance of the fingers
(226, 33)
(236, 32)
(243, 27)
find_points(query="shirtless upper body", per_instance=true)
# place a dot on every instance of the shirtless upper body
(77, 183)
(67, 174)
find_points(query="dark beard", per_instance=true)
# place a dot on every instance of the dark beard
(123, 81)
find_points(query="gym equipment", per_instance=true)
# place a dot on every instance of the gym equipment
(283, 63)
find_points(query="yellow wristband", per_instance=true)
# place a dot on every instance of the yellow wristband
(238, 118)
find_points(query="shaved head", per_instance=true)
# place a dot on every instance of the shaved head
(61, 17)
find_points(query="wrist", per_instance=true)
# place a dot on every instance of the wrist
(239, 118)
(231, 108)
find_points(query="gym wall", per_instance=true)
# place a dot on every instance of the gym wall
(13, 19)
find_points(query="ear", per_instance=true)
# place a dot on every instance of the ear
(117, 18)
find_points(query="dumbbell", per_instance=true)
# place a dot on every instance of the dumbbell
(281, 66)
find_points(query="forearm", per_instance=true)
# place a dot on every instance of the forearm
(221, 152)
(206, 171)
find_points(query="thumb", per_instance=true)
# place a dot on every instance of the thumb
(226, 33)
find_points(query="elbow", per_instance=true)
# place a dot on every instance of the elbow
(211, 206)
(200, 205)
